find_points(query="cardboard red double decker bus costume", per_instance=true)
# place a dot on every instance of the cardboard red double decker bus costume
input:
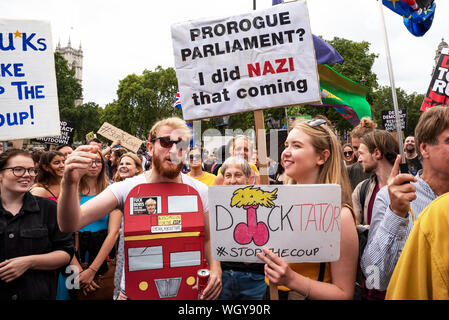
(163, 241)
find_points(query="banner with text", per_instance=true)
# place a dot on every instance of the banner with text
(260, 60)
(66, 137)
(300, 223)
(28, 94)
(389, 119)
(130, 142)
(438, 92)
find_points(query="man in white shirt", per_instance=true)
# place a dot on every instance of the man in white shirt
(169, 140)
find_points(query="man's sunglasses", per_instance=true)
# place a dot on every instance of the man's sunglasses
(348, 153)
(166, 142)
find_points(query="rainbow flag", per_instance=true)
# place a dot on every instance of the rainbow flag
(344, 95)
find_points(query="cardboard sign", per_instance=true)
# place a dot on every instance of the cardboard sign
(300, 223)
(389, 119)
(263, 59)
(28, 96)
(163, 242)
(66, 137)
(113, 133)
(438, 92)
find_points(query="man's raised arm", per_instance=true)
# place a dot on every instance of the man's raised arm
(72, 217)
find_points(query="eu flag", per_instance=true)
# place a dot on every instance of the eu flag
(417, 18)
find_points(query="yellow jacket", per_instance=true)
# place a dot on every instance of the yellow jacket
(422, 272)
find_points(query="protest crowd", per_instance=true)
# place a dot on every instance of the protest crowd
(109, 219)
(62, 211)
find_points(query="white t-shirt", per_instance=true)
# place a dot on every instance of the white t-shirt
(121, 189)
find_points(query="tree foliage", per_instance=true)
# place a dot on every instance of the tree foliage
(143, 100)
(411, 103)
(69, 89)
(87, 119)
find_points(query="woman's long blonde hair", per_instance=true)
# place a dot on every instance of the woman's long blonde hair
(333, 170)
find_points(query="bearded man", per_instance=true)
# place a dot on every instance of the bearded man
(168, 144)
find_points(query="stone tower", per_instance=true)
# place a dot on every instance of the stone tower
(74, 58)
(441, 46)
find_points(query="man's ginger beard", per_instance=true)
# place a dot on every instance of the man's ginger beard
(171, 172)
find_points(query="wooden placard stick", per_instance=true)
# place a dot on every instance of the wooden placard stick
(263, 170)
(261, 146)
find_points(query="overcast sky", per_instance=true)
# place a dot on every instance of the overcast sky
(124, 37)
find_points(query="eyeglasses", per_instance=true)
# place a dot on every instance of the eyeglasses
(195, 157)
(97, 162)
(20, 171)
(316, 122)
(166, 142)
(348, 153)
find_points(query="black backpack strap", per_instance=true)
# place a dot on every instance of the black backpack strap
(363, 192)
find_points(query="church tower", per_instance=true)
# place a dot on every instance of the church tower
(441, 46)
(74, 58)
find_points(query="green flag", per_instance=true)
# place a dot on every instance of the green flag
(345, 95)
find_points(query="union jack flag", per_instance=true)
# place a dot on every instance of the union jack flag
(177, 103)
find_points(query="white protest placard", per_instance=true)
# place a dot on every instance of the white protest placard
(260, 60)
(28, 94)
(300, 223)
(130, 142)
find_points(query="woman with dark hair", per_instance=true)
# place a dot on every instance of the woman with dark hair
(96, 241)
(48, 180)
(32, 247)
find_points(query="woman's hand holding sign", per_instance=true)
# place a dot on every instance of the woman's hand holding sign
(276, 269)
(278, 272)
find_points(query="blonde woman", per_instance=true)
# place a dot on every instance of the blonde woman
(129, 166)
(313, 155)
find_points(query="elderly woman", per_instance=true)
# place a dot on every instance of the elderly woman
(241, 281)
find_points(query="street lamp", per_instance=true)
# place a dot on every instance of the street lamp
(363, 80)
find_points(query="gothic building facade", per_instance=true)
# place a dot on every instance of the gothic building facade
(74, 58)
(441, 46)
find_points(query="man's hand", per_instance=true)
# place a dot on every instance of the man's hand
(213, 288)
(78, 162)
(400, 190)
